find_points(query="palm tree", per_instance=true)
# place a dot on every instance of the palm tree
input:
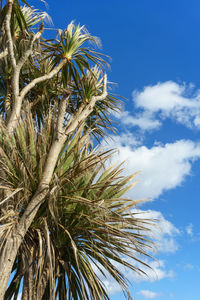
(62, 210)
(83, 221)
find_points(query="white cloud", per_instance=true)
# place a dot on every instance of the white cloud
(169, 99)
(164, 97)
(155, 272)
(124, 139)
(189, 229)
(148, 294)
(145, 120)
(163, 167)
(163, 232)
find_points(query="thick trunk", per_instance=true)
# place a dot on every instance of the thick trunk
(7, 259)
(14, 239)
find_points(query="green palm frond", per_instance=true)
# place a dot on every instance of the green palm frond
(85, 227)
(35, 16)
(72, 44)
(84, 220)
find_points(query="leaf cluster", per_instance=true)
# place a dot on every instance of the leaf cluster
(85, 228)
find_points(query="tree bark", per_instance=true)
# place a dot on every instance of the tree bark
(16, 236)
(7, 260)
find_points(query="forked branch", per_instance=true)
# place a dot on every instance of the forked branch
(15, 114)
(82, 115)
(29, 51)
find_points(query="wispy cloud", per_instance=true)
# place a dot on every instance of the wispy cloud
(149, 294)
(189, 267)
(189, 229)
(156, 272)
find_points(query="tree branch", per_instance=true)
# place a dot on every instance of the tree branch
(18, 102)
(29, 51)
(13, 244)
(33, 83)
(61, 114)
(74, 123)
(81, 116)
(8, 33)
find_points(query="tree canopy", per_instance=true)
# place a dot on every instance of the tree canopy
(64, 220)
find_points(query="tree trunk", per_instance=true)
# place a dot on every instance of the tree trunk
(14, 239)
(7, 259)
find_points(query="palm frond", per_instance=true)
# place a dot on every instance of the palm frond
(84, 220)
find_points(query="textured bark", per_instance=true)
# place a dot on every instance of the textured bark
(17, 233)
(19, 96)
(8, 33)
(14, 239)
(7, 259)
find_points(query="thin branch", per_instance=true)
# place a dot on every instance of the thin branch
(43, 188)
(18, 102)
(29, 51)
(74, 123)
(33, 83)
(15, 81)
(11, 195)
(104, 91)
(81, 116)
(8, 33)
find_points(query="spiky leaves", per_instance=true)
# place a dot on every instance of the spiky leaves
(83, 222)
(47, 69)
(62, 215)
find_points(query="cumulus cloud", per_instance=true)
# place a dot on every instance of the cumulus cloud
(148, 294)
(156, 271)
(144, 120)
(163, 232)
(165, 97)
(163, 167)
(153, 104)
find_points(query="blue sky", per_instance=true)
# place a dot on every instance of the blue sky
(155, 50)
